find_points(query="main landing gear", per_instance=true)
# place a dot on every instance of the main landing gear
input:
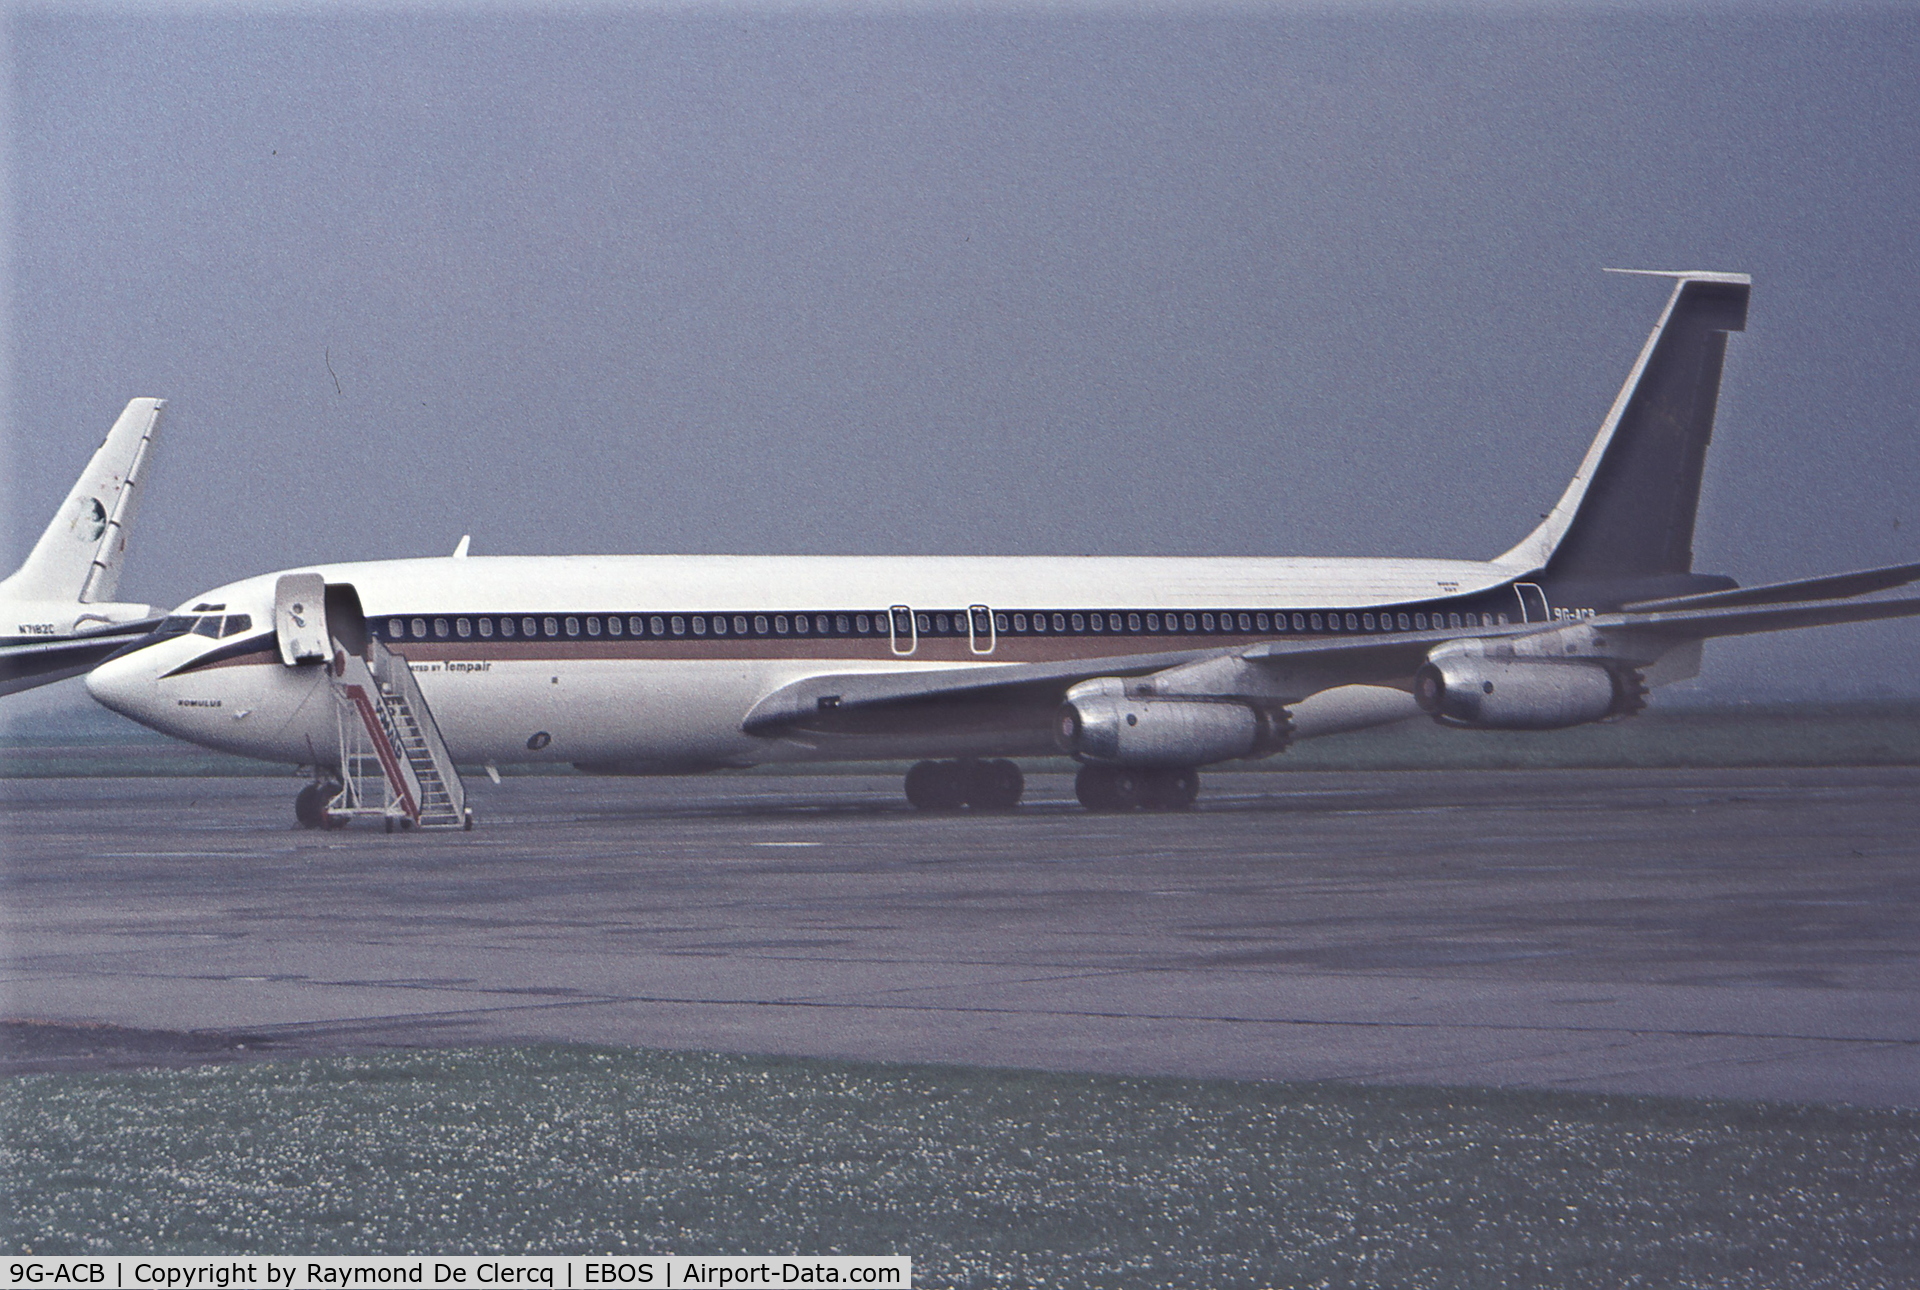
(949, 785)
(1127, 788)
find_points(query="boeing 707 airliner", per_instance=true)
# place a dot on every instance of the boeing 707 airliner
(383, 675)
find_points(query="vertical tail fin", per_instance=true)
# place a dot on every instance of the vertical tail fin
(1630, 509)
(79, 555)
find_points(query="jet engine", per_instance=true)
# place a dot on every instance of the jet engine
(1501, 694)
(1101, 723)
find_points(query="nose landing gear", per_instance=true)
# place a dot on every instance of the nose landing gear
(310, 805)
(945, 786)
(1111, 789)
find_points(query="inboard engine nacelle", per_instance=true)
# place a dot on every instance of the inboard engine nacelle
(1101, 722)
(1512, 694)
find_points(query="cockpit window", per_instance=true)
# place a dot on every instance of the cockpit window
(208, 626)
(176, 625)
(237, 623)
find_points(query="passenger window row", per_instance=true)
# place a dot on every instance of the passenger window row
(925, 624)
(652, 626)
(1231, 622)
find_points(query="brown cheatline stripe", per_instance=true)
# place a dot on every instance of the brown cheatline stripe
(1034, 650)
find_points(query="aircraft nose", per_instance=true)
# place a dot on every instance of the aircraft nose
(126, 684)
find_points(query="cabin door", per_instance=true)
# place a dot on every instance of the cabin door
(980, 629)
(905, 637)
(1533, 602)
(300, 618)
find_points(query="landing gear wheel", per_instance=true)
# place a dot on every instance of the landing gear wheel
(1091, 786)
(1107, 788)
(310, 805)
(308, 809)
(946, 786)
(994, 785)
(936, 786)
(1169, 789)
(1124, 788)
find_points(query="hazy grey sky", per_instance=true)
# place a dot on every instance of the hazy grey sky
(1002, 281)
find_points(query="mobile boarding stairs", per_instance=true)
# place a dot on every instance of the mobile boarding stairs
(393, 764)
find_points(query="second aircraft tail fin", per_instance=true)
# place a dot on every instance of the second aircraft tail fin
(78, 557)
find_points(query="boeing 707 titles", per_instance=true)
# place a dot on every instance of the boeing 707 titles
(57, 613)
(383, 675)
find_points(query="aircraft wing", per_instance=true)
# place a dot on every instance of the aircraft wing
(837, 699)
(23, 666)
(815, 700)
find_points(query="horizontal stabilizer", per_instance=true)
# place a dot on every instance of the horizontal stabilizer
(1386, 651)
(22, 667)
(1739, 620)
(1832, 587)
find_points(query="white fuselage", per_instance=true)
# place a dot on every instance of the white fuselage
(653, 662)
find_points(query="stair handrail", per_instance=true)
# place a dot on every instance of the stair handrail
(358, 684)
(396, 673)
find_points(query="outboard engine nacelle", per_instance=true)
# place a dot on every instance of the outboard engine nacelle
(1503, 694)
(1101, 723)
